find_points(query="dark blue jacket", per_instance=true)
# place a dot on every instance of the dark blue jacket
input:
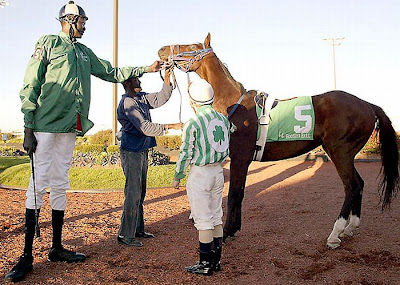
(133, 113)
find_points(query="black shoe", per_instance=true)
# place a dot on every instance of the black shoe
(216, 257)
(202, 267)
(129, 241)
(216, 267)
(144, 235)
(18, 272)
(62, 254)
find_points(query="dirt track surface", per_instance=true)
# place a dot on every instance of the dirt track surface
(288, 212)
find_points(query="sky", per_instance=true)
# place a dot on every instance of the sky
(272, 46)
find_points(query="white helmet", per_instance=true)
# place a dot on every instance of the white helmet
(71, 9)
(201, 92)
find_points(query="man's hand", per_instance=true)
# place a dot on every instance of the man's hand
(175, 183)
(30, 141)
(156, 66)
(176, 126)
(167, 74)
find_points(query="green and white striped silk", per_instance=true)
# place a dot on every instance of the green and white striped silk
(205, 140)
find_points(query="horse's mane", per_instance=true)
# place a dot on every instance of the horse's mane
(237, 84)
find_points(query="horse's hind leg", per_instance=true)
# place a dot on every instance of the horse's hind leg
(351, 181)
(355, 216)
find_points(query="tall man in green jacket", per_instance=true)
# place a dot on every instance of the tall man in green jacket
(55, 102)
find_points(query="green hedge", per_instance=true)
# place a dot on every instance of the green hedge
(7, 150)
(101, 137)
(170, 142)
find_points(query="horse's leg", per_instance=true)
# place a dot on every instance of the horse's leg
(345, 166)
(355, 216)
(238, 173)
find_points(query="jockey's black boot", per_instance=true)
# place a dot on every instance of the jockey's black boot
(57, 252)
(24, 264)
(202, 267)
(216, 254)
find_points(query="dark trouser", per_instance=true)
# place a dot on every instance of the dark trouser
(134, 165)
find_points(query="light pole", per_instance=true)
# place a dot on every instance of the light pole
(115, 63)
(334, 42)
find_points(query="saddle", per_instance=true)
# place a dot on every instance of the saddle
(264, 103)
(260, 99)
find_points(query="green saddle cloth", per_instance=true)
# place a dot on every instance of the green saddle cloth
(291, 120)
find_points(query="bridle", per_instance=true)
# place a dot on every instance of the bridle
(185, 60)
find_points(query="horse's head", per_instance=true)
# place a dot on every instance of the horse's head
(186, 57)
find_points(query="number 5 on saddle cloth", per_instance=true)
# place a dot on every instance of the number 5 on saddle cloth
(282, 120)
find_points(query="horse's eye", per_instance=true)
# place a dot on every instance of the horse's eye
(193, 47)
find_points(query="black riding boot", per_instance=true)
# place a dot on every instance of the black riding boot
(203, 266)
(216, 254)
(57, 252)
(24, 264)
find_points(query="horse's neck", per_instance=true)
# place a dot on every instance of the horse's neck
(227, 91)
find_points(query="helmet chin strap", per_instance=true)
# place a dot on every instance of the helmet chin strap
(73, 22)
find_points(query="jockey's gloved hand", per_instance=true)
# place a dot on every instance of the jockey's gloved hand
(30, 141)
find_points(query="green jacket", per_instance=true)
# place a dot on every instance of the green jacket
(57, 84)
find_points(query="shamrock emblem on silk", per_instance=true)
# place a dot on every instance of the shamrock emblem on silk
(217, 135)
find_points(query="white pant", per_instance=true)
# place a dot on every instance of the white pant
(204, 188)
(52, 160)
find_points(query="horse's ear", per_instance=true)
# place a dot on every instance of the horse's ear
(207, 41)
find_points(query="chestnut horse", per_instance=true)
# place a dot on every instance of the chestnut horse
(343, 124)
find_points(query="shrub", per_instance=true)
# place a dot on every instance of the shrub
(7, 150)
(102, 137)
(89, 148)
(9, 136)
(372, 145)
(113, 148)
(170, 142)
(82, 140)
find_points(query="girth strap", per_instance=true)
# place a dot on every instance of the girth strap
(263, 124)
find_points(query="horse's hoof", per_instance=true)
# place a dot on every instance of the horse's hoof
(228, 238)
(346, 234)
(334, 243)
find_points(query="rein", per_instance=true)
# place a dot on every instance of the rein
(174, 85)
(185, 60)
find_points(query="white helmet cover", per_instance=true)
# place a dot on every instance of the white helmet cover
(201, 92)
(71, 9)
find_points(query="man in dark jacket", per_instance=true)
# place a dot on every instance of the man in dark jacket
(138, 135)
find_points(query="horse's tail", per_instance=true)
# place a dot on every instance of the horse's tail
(389, 185)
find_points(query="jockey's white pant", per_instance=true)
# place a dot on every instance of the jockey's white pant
(204, 187)
(52, 160)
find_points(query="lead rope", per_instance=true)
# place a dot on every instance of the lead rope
(166, 66)
(180, 95)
